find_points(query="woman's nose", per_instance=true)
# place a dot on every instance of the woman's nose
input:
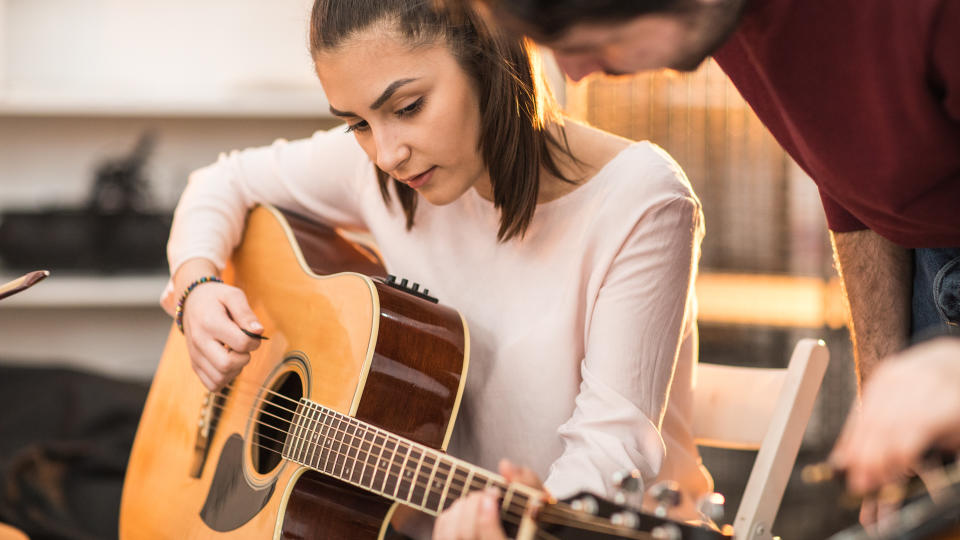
(392, 151)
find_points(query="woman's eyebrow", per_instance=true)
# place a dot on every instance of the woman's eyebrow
(389, 91)
(393, 87)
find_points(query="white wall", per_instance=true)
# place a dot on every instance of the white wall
(160, 49)
(80, 80)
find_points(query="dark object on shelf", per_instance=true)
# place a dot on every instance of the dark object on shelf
(114, 232)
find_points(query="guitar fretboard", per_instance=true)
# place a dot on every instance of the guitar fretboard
(381, 462)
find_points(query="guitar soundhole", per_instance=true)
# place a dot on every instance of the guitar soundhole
(273, 422)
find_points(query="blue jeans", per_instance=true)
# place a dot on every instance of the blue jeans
(936, 291)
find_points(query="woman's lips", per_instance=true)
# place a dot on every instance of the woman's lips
(420, 179)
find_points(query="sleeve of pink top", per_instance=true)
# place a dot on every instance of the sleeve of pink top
(633, 338)
(319, 176)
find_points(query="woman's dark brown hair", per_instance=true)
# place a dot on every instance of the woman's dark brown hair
(515, 105)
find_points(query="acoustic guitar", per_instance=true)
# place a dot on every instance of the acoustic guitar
(340, 416)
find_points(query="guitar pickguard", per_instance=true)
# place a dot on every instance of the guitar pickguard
(231, 501)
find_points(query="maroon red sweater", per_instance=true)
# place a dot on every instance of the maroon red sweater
(865, 95)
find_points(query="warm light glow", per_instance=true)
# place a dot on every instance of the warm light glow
(770, 300)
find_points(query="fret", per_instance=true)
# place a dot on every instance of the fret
(289, 441)
(521, 499)
(507, 497)
(446, 489)
(350, 453)
(368, 473)
(326, 442)
(429, 487)
(314, 435)
(338, 445)
(402, 471)
(380, 471)
(417, 488)
(408, 473)
(488, 483)
(392, 447)
(468, 483)
(319, 436)
(298, 432)
(332, 433)
(359, 454)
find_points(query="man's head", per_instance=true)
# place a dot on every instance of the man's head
(618, 36)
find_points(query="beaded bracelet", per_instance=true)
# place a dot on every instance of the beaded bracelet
(186, 293)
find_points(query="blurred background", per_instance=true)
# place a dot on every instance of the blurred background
(107, 105)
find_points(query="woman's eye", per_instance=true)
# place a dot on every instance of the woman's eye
(358, 126)
(413, 108)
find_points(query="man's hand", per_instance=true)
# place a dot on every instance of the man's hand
(477, 516)
(911, 404)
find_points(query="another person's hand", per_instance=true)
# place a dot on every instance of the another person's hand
(214, 316)
(477, 516)
(911, 404)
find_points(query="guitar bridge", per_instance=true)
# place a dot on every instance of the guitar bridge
(206, 426)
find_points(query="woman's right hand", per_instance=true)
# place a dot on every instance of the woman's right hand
(214, 316)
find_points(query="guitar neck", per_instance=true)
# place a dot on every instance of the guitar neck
(399, 469)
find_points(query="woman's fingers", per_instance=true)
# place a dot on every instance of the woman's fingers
(474, 517)
(239, 312)
(521, 475)
(219, 349)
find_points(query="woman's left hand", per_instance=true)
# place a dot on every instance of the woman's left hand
(477, 516)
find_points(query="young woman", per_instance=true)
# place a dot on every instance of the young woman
(569, 251)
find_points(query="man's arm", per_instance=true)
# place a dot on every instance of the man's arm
(877, 285)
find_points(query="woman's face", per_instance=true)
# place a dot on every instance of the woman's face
(414, 111)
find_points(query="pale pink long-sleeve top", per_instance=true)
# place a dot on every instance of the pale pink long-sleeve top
(583, 332)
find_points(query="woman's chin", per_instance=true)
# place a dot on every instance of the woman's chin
(438, 199)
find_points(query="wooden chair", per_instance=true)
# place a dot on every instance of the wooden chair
(761, 409)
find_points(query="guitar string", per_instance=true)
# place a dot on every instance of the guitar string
(558, 513)
(512, 517)
(350, 420)
(457, 480)
(551, 514)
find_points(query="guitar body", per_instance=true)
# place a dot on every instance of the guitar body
(209, 466)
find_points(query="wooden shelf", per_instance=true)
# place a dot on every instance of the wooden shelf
(93, 291)
(306, 103)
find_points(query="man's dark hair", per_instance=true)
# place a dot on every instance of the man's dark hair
(550, 19)
(516, 107)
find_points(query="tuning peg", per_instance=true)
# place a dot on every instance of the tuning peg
(626, 519)
(711, 506)
(628, 482)
(586, 504)
(667, 531)
(667, 494)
